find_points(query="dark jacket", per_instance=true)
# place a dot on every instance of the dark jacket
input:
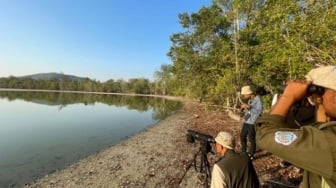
(238, 170)
(312, 147)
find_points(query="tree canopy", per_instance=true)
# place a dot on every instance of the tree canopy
(243, 42)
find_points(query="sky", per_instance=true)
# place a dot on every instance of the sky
(99, 39)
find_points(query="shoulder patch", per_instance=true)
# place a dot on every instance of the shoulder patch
(285, 137)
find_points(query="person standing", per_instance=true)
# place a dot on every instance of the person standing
(253, 109)
(232, 169)
(311, 147)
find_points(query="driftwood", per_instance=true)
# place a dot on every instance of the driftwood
(233, 115)
(231, 111)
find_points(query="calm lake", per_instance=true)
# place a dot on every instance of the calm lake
(42, 132)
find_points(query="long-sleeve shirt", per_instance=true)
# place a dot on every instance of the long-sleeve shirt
(312, 148)
(255, 110)
(217, 177)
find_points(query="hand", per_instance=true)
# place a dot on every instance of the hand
(244, 106)
(296, 89)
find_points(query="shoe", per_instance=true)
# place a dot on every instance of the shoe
(284, 164)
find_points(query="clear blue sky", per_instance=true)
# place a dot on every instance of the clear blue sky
(99, 39)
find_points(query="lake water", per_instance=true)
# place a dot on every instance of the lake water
(43, 132)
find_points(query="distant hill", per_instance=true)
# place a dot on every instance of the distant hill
(58, 76)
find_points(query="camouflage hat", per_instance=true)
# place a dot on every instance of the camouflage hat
(324, 76)
(226, 139)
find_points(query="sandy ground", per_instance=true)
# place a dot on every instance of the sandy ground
(160, 157)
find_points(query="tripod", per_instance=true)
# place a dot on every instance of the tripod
(204, 166)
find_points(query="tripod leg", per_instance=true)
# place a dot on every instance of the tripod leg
(205, 168)
(193, 162)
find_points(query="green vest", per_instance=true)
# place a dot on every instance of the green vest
(238, 170)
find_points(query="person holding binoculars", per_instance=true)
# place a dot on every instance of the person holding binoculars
(311, 147)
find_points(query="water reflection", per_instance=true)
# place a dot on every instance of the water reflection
(63, 99)
(41, 132)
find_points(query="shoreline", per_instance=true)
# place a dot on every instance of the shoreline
(93, 92)
(160, 156)
(152, 158)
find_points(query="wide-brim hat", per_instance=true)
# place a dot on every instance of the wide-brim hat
(246, 90)
(324, 76)
(226, 139)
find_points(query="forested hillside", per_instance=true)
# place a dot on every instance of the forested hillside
(52, 75)
(68, 83)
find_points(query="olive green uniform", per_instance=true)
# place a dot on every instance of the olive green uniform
(312, 148)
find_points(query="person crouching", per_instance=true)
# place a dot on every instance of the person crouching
(232, 170)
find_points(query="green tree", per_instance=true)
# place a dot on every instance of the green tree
(196, 66)
(163, 78)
